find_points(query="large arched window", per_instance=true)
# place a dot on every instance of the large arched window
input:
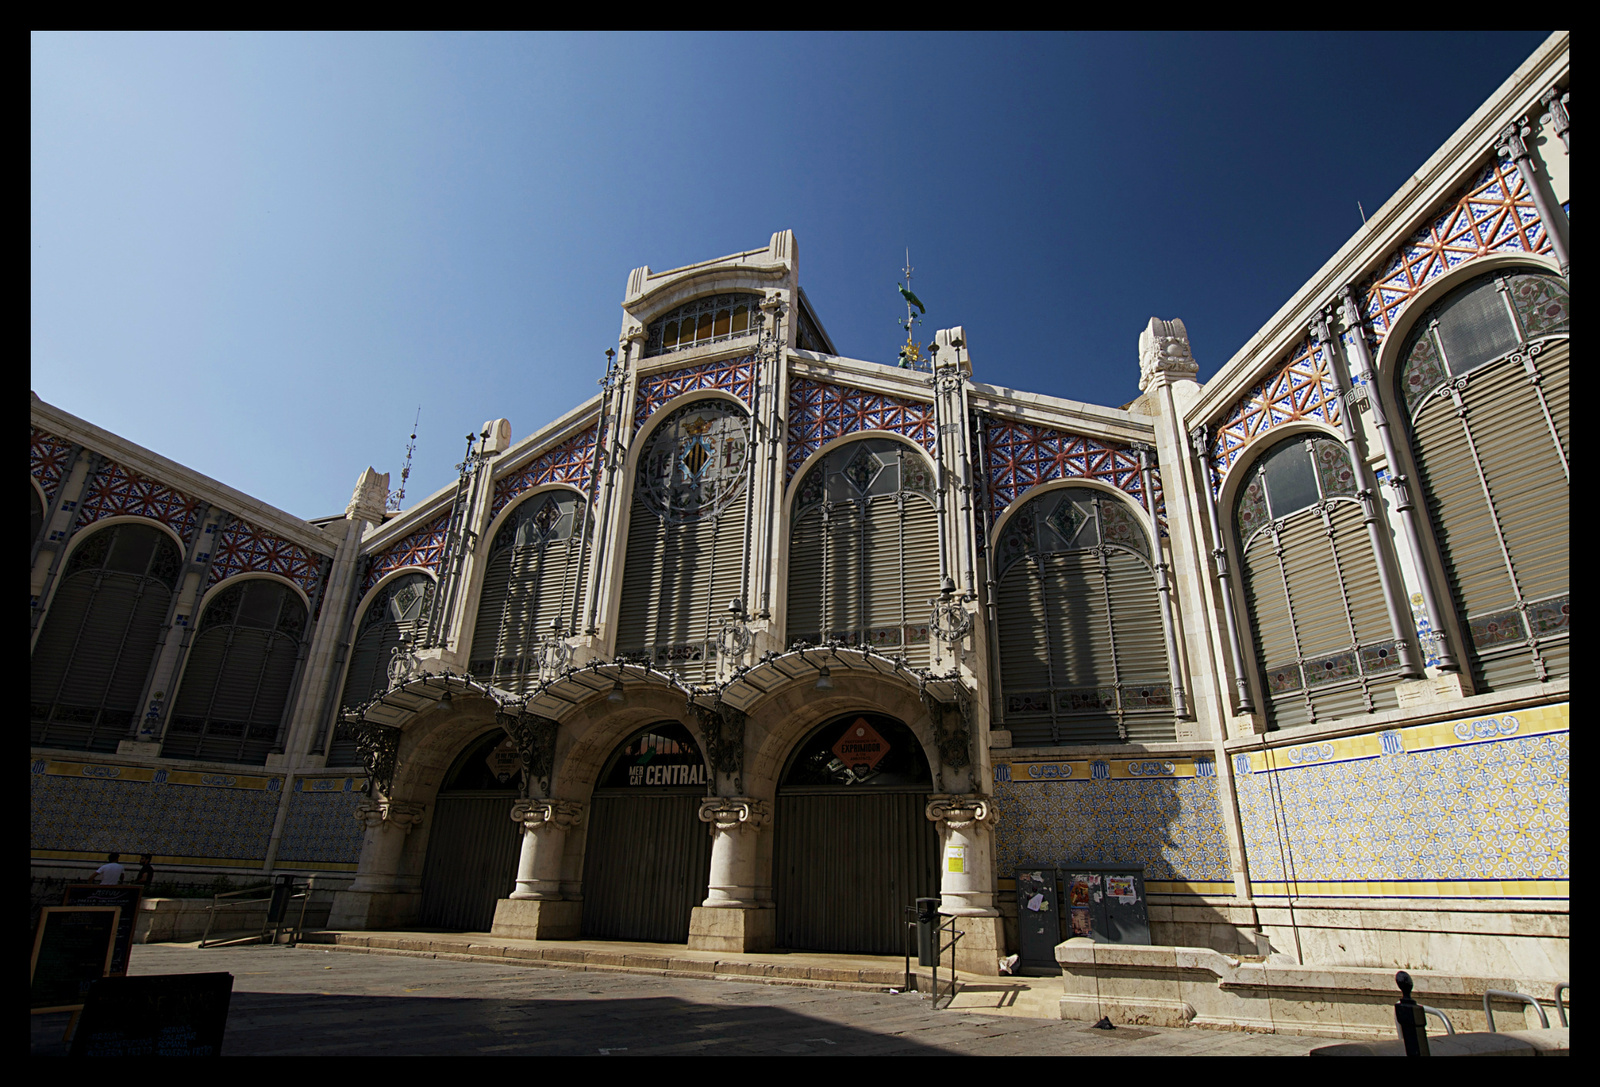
(533, 578)
(685, 558)
(864, 550)
(1314, 596)
(1484, 381)
(399, 611)
(1083, 655)
(706, 320)
(99, 640)
(239, 675)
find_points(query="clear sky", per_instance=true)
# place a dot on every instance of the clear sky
(259, 254)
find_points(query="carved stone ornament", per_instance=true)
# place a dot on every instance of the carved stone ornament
(535, 740)
(397, 814)
(370, 499)
(963, 812)
(1512, 142)
(403, 662)
(723, 729)
(379, 749)
(730, 814)
(1164, 349)
(537, 815)
(952, 730)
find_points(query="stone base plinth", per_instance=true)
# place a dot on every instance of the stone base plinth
(374, 909)
(536, 919)
(713, 929)
(982, 945)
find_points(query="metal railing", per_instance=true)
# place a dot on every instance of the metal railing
(1507, 994)
(955, 937)
(1449, 1027)
(1561, 1009)
(278, 898)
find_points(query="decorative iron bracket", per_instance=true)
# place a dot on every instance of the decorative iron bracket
(954, 740)
(535, 740)
(379, 749)
(723, 728)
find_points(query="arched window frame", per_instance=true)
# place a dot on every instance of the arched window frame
(1145, 703)
(378, 597)
(817, 474)
(718, 318)
(1526, 347)
(290, 632)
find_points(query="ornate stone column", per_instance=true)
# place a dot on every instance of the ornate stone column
(966, 833)
(1512, 144)
(375, 899)
(732, 917)
(536, 909)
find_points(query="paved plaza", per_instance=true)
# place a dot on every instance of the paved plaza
(313, 1001)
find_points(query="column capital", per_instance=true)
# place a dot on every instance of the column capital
(963, 812)
(730, 814)
(537, 815)
(1164, 351)
(1511, 142)
(401, 815)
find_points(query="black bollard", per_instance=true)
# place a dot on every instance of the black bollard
(1412, 1019)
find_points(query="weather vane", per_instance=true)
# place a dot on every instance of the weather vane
(396, 497)
(910, 354)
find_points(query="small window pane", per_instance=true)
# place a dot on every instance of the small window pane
(721, 327)
(703, 332)
(1475, 328)
(1291, 479)
(741, 318)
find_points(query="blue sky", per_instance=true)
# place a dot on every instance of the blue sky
(258, 254)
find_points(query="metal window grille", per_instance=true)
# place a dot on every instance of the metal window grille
(712, 319)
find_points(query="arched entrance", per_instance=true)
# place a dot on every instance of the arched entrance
(472, 848)
(648, 855)
(852, 842)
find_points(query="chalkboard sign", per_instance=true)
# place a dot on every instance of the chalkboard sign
(154, 1015)
(128, 896)
(71, 949)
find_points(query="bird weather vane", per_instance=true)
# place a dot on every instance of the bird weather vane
(910, 354)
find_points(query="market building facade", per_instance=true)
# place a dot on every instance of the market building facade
(762, 643)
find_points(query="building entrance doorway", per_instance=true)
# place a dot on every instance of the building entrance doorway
(648, 857)
(852, 842)
(473, 844)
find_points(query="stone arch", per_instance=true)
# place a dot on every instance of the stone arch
(1151, 529)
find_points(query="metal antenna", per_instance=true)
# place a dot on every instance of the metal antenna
(396, 497)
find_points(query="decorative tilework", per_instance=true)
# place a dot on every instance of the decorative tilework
(117, 491)
(1417, 811)
(145, 811)
(244, 548)
(1022, 455)
(1171, 825)
(1492, 213)
(320, 827)
(821, 411)
(47, 460)
(1301, 387)
(570, 462)
(424, 547)
(736, 376)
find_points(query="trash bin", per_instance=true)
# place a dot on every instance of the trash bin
(927, 931)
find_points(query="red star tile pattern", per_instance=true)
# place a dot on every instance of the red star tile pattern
(1300, 387)
(1022, 455)
(424, 547)
(117, 491)
(820, 411)
(1493, 213)
(47, 459)
(736, 376)
(244, 548)
(570, 462)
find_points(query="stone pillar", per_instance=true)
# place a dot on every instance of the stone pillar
(536, 909)
(966, 833)
(374, 900)
(1512, 144)
(732, 917)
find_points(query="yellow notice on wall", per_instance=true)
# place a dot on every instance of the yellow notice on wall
(956, 858)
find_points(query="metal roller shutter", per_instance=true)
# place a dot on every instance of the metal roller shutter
(804, 599)
(920, 553)
(472, 861)
(646, 865)
(841, 588)
(1273, 625)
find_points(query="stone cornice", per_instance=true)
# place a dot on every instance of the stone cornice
(1090, 420)
(280, 523)
(548, 437)
(1388, 228)
(860, 374)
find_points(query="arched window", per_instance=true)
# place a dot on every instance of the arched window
(399, 611)
(239, 675)
(864, 550)
(532, 579)
(1314, 597)
(706, 320)
(1083, 657)
(1484, 381)
(685, 558)
(99, 640)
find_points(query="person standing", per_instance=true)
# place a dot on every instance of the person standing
(147, 872)
(109, 872)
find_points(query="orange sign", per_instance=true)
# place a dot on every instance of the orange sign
(861, 746)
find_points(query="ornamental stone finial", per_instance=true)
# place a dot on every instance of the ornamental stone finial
(1164, 349)
(370, 498)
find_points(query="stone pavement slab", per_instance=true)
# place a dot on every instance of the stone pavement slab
(312, 1001)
